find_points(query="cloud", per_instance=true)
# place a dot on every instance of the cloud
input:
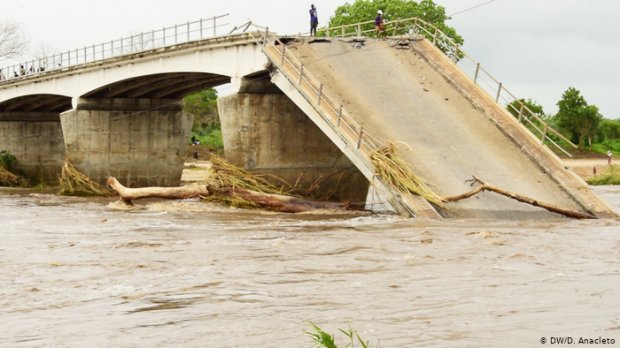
(540, 48)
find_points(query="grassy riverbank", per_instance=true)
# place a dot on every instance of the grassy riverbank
(610, 177)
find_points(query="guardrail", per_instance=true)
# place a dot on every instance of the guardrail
(471, 67)
(312, 89)
(167, 36)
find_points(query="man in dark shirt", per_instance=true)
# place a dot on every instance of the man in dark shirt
(314, 20)
(379, 26)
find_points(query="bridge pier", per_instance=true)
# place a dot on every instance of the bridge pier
(265, 132)
(141, 142)
(35, 139)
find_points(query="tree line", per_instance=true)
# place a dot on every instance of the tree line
(578, 120)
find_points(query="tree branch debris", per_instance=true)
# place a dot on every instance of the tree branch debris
(524, 199)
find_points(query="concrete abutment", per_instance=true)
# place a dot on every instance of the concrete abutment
(36, 141)
(141, 142)
(265, 132)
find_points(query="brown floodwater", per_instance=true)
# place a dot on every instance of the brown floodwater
(81, 272)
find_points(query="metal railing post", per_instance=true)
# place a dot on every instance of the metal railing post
(201, 28)
(141, 41)
(542, 139)
(176, 34)
(456, 51)
(112, 48)
(477, 72)
(359, 30)
(339, 117)
(94, 51)
(359, 139)
(214, 26)
(164, 36)
(499, 91)
(188, 31)
(521, 113)
(122, 45)
(301, 75)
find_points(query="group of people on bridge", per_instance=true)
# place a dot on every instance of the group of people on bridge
(314, 22)
(22, 71)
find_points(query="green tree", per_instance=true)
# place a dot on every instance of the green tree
(608, 130)
(515, 108)
(203, 105)
(577, 118)
(366, 10)
(207, 127)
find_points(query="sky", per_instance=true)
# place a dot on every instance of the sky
(536, 48)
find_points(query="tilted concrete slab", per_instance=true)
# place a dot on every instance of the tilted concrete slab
(448, 130)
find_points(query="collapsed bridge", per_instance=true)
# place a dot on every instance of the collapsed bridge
(315, 107)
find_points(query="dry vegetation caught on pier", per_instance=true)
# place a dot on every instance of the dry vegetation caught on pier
(233, 186)
(75, 183)
(9, 179)
(236, 187)
(395, 172)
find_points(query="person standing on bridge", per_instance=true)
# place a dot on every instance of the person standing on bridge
(314, 20)
(379, 25)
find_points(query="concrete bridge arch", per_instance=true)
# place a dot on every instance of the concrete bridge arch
(123, 116)
(134, 101)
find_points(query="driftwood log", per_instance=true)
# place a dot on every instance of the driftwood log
(271, 202)
(129, 194)
(486, 187)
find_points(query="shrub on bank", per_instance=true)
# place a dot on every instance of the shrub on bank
(610, 177)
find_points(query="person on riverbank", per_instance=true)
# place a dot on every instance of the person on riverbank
(609, 155)
(314, 20)
(379, 25)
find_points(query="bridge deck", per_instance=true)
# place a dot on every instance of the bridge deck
(399, 97)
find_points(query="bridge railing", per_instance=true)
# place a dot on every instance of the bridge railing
(166, 36)
(533, 121)
(336, 116)
(350, 132)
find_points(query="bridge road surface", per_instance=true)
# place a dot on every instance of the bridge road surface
(399, 97)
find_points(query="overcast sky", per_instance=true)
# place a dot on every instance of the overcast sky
(537, 48)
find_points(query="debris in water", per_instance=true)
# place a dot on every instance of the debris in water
(74, 183)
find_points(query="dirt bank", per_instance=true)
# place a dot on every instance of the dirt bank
(195, 171)
(588, 167)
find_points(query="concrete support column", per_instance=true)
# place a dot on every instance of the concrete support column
(267, 133)
(36, 140)
(141, 142)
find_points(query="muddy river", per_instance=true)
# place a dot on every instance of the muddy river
(88, 273)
